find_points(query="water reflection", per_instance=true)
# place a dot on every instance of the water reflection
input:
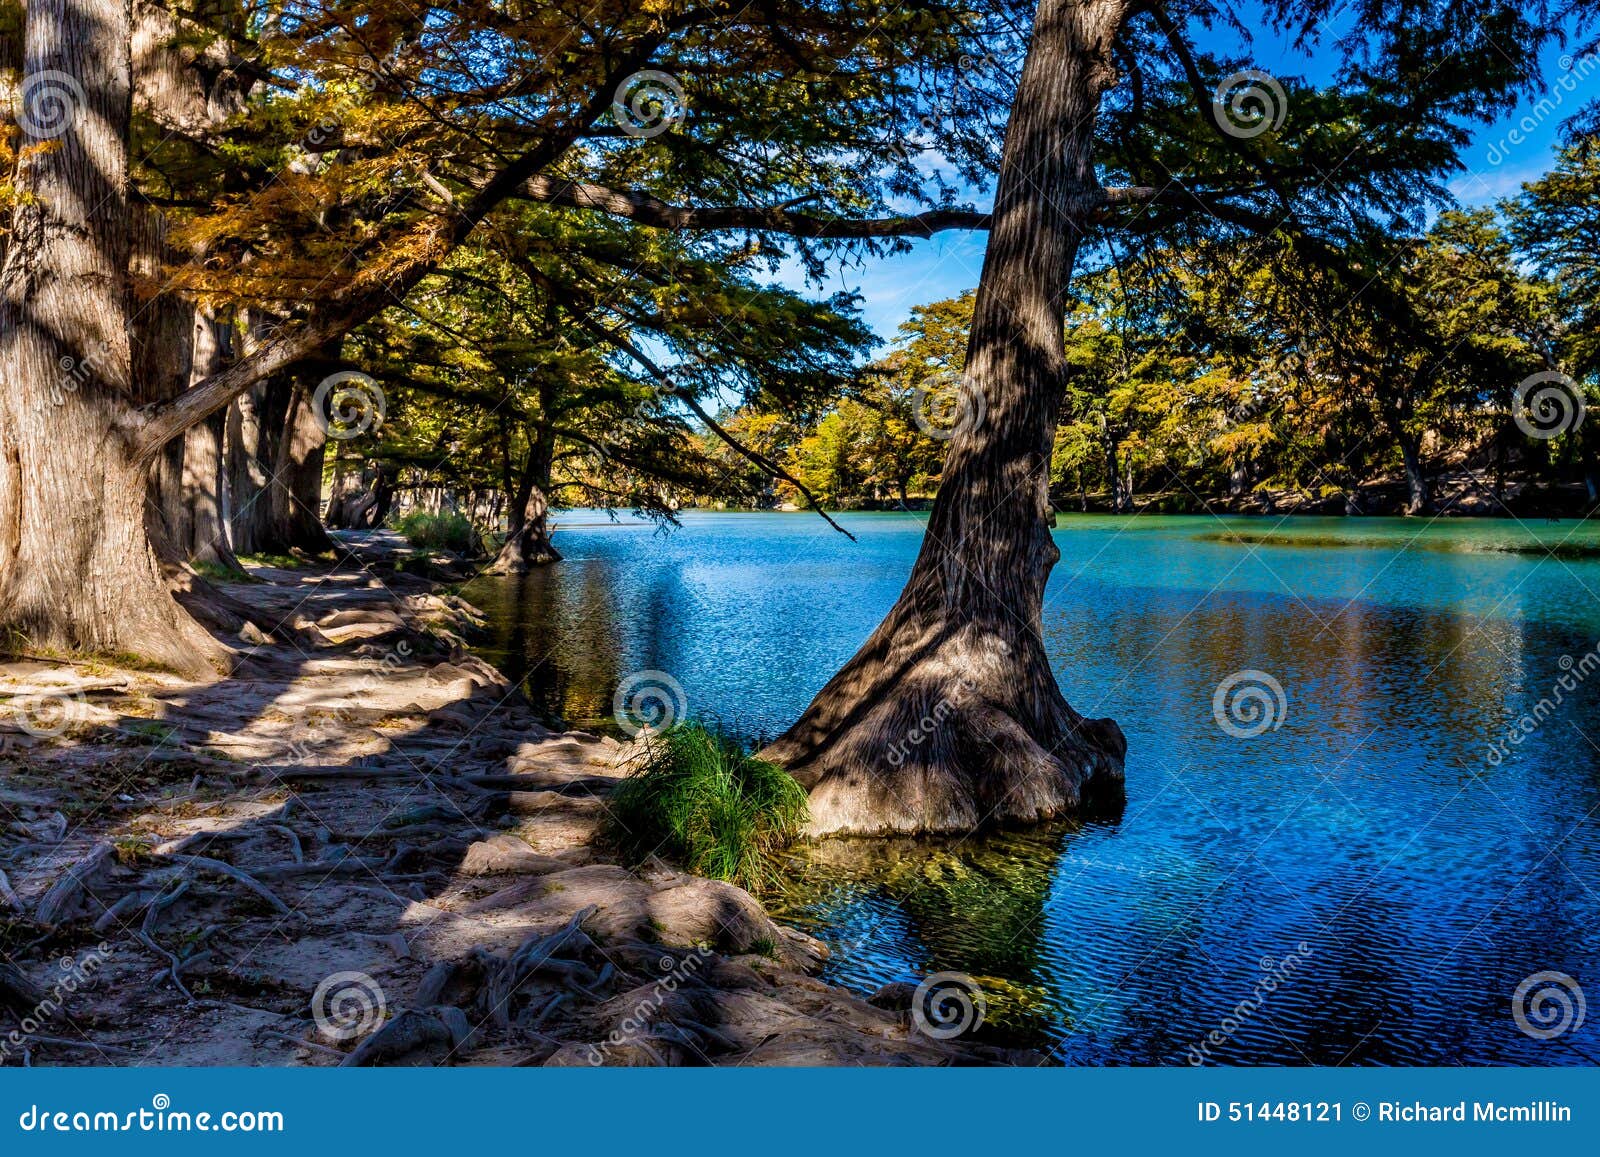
(1423, 878)
(917, 907)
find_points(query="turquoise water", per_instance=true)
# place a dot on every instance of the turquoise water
(1368, 881)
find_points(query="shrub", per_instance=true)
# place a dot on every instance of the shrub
(700, 799)
(449, 531)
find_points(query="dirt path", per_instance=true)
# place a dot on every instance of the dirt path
(363, 849)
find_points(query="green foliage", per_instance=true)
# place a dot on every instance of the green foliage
(1556, 221)
(447, 531)
(571, 346)
(703, 801)
(1201, 370)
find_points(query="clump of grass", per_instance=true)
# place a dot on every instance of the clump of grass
(700, 799)
(218, 573)
(448, 531)
(278, 561)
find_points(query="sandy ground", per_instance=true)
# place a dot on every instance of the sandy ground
(363, 849)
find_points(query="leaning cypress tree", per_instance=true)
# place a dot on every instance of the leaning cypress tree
(949, 715)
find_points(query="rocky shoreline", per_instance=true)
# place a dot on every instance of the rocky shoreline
(362, 848)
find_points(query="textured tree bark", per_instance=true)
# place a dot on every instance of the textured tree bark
(949, 716)
(161, 334)
(361, 496)
(275, 453)
(187, 89)
(76, 567)
(254, 423)
(205, 490)
(345, 492)
(294, 496)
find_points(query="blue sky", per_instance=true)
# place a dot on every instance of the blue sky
(1518, 146)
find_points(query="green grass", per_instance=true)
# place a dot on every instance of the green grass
(280, 561)
(222, 574)
(703, 801)
(453, 532)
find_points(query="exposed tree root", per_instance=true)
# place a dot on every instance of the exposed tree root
(521, 944)
(408, 1031)
(70, 889)
(217, 867)
(936, 731)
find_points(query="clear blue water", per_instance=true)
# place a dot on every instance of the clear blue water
(1362, 884)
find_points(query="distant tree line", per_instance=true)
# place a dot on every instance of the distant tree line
(1459, 372)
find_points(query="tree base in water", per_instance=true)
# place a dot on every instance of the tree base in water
(923, 735)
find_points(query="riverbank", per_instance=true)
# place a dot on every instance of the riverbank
(362, 848)
(1456, 494)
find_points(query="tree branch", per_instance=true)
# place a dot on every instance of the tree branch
(649, 210)
(621, 342)
(153, 427)
(646, 209)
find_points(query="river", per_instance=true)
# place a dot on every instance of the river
(1363, 872)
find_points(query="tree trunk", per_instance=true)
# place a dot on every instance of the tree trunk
(76, 567)
(254, 421)
(1121, 502)
(205, 489)
(949, 716)
(294, 498)
(361, 497)
(161, 335)
(275, 450)
(1238, 479)
(185, 91)
(527, 542)
(346, 493)
(1419, 495)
